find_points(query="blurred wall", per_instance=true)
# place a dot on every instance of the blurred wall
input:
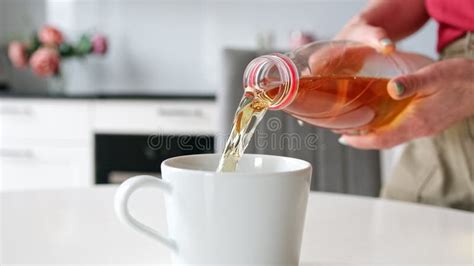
(2, 23)
(18, 19)
(175, 46)
(3, 63)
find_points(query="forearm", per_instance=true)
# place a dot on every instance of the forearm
(399, 18)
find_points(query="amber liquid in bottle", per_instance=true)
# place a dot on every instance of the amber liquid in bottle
(346, 103)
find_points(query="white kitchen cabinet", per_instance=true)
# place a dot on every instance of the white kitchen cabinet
(44, 165)
(49, 143)
(155, 117)
(45, 143)
(44, 119)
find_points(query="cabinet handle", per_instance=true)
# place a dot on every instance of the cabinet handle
(180, 112)
(17, 153)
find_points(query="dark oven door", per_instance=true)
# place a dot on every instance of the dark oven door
(118, 157)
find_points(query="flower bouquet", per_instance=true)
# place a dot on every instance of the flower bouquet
(48, 47)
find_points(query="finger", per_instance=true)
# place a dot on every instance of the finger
(372, 141)
(423, 81)
(354, 132)
(383, 139)
(350, 131)
(366, 142)
(339, 131)
(379, 39)
(386, 46)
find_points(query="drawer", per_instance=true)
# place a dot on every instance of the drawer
(44, 119)
(155, 117)
(44, 167)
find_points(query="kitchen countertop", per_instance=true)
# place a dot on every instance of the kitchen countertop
(79, 226)
(18, 95)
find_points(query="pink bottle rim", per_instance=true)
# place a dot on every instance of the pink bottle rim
(252, 74)
(293, 80)
(293, 90)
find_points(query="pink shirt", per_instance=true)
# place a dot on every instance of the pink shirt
(455, 18)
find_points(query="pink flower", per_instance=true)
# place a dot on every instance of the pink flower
(17, 54)
(50, 36)
(99, 44)
(45, 62)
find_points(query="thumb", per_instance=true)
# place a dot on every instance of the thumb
(408, 85)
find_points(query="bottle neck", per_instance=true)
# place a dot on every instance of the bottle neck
(274, 75)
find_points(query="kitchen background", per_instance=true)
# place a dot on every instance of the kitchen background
(164, 68)
(174, 46)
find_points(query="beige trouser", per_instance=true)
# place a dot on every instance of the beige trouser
(439, 170)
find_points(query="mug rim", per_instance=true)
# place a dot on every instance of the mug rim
(305, 165)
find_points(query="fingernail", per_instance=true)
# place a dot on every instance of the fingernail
(387, 46)
(399, 88)
(386, 42)
(342, 140)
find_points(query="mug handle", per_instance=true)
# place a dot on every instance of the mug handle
(122, 196)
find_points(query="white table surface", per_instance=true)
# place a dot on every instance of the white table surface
(78, 226)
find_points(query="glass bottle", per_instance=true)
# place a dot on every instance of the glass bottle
(341, 85)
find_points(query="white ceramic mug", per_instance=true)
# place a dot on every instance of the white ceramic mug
(254, 216)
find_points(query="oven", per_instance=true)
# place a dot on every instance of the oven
(118, 156)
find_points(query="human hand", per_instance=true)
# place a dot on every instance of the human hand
(338, 59)
(443, 95)
(348, 59)
(359, 30)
